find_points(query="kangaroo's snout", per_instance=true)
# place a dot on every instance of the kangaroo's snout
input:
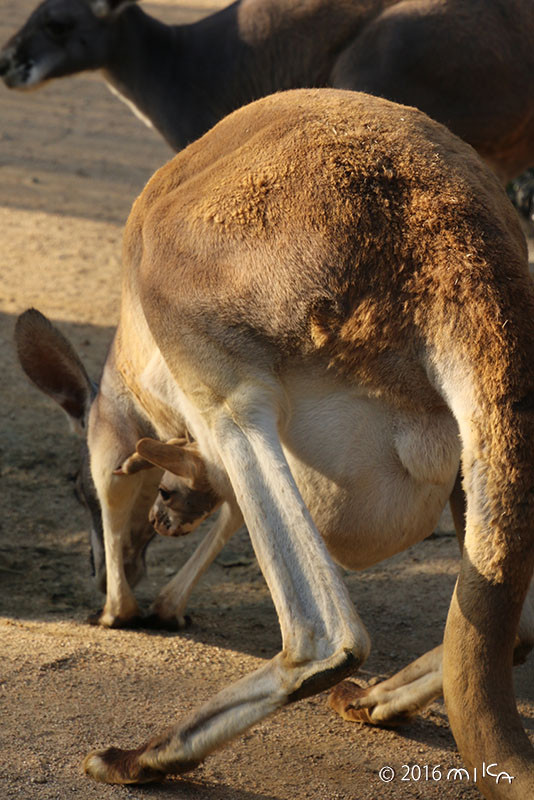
(5, 63)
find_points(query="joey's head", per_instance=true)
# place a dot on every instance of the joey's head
(52, 364)
(61, 37)
(185, 496)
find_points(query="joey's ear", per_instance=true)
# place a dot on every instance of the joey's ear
(176, 456)
(132, 464)
(50, 361)
(103, 8)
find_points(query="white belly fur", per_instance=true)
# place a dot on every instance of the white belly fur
(375, 479)
(380, 477)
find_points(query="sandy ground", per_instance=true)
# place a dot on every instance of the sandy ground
(72, 159)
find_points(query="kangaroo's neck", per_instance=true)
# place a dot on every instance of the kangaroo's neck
(185, 78)
(142, 56)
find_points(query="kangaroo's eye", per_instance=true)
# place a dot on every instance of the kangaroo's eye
(58, 28)
(164, 494)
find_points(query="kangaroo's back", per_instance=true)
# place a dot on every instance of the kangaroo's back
(336, 220)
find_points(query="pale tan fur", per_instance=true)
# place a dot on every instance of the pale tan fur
(390, 702)
(340, 521)
(330, 250)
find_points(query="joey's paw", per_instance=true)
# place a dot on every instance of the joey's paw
(119, 766)
(356, 704)
(155, 621)
(345, 699)
(106, 620)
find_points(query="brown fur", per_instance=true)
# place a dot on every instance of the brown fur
(360, 316)
(364, 321)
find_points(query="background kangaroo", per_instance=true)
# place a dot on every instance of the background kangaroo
(325, 242)
(467, 63)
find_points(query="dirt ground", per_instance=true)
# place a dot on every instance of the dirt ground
(72, 159)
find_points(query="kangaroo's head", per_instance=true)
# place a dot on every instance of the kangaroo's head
(61, 37)
(185, 495)
(52, 364)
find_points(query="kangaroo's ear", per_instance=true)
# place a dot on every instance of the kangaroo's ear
(177, 456)
(132, 464)
(103, 8)
(50, 361)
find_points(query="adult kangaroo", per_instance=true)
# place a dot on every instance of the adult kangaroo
(327, 258)
(467, 63)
